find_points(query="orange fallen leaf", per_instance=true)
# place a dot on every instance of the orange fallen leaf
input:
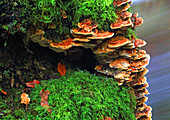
(4, 92)
(44, 97)
(107, 118)
(32, 83)
(25, 99)
(61, 69)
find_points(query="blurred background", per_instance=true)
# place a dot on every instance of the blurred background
(156, 32)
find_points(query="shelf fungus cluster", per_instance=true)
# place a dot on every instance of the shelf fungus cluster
(124, 60)
(118, 56)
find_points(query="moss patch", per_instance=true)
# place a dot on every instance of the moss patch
(18, 16)
(77, 95)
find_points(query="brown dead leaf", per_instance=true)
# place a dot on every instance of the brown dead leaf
(32, 83)
(61, 69)
(25, 99)
(44, 97)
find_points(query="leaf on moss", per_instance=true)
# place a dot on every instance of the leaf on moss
(25, 99)
(106, 118)
(32, 83)
(44, 97)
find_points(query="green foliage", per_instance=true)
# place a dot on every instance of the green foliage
(77, 95)
(129, 9)
(130, 32)
(39, 12)
(101, 11)
(46, 9)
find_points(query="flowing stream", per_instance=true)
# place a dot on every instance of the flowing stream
(156, 32)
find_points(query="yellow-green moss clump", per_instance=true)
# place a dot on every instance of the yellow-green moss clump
(78, 95)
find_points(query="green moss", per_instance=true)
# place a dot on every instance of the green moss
(76, 96)
(101, 11)
(130, 32)
(39, 12)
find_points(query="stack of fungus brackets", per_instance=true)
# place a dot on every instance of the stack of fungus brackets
(119, 57)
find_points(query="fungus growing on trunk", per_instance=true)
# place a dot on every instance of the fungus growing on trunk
(125, 14)
(117, 41)
(139, 43)
(102, 35)
(126, 6)
(116, 50)
(120, 63)
(87, 25)
(137, 21)
(120, 2)
(144, 113)
(81, 31)
(81, 39)
(139, 81)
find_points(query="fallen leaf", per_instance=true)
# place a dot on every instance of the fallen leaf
(25, 99)
(4, 92)
(107, 118)
(32, 83)
(44, 97)
(61, 69)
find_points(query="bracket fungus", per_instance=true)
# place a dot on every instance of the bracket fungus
(65, 44)
(125, 14)
(139, 81)
(102, 35)
(141, 87)
(126, 6)
(139, 43)
(144, 113)
(124, 61)
(141, 107)
(142, 100)
(38, 36)
(88, 25)
(120, 2)
(134, 15)
(118, 55)
(121, 23)
(81, 31)
(81, 39)
(137, 21)
(118, 41)
(120, 63)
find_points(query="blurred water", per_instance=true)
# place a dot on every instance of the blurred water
(156, 32)
(158, 79)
